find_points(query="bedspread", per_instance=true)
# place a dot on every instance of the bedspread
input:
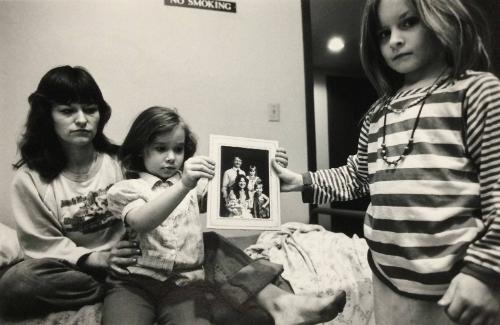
(322, 262)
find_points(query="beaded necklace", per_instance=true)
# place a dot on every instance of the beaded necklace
(387, 107)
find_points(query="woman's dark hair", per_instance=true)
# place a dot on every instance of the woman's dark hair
(236, 189)
(145, 128)
(39, 146)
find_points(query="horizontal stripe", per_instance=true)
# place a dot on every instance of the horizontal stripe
(424, 123)
(422, 278)
(399, 131)
(409, 288)
(424, 200)
(424, 265)
(453, 175)
(449, 237)
(431, 161)
(426, 214)
(425, 186)
(418, 253)
(418, 148)
(475, 256)
(426, 227)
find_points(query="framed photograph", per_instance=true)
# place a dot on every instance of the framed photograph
(245, 192)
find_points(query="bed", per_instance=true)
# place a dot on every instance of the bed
(315, 261)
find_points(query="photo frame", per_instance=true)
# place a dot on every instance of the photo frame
(245, 191)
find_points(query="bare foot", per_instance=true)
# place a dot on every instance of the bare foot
(293, 309)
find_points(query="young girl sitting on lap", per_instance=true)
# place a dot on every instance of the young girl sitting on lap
(168, 284)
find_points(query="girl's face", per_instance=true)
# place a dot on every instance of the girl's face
(76, 124)
(165, 155)
(242, 183)
(252, 171)
(406, 44)
(259, 189)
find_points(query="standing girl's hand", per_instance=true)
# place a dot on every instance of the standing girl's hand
(281, 157)
(196, 168)
(289, 180)
(468, 301)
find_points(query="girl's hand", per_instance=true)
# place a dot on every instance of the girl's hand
(468, 301)
(289, 180)
(196, 168)
(281, 157)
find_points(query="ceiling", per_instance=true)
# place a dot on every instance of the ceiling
(336, 18)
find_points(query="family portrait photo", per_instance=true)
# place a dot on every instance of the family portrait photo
(244, 192)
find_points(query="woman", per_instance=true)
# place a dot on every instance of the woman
(65, 228)
(59, 199)
(239, 198)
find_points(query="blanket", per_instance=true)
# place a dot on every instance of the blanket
(321, 262)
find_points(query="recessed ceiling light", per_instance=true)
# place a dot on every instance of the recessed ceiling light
(336, 44)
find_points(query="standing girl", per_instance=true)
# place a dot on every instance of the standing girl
(252, 179)
(428, 156)
(167, 283)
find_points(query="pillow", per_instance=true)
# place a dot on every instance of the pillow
(10, 251)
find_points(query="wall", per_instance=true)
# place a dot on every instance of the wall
(219, 69)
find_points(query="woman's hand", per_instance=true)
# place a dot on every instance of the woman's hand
(122, 255)
(196, 168)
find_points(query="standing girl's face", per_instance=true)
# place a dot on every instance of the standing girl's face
(76, 124)
(164, 156)
(259, 189)
(406, 44)
(252, 171)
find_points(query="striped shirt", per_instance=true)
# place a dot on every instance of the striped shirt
(437, 212)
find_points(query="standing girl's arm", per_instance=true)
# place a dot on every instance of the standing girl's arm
(473, 295)
(335, 184)
(153, 213)
(483, 142)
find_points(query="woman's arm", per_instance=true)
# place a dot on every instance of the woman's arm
(38, 227)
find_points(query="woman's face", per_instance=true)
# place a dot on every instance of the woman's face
(76, 124)
(242, 183)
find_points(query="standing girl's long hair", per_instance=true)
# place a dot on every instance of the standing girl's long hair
(458, 27)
